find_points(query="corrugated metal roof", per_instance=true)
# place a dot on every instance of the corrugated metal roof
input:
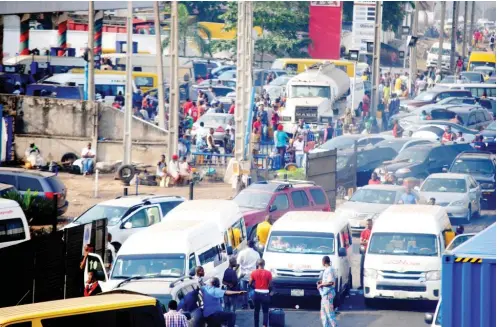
(482, 245)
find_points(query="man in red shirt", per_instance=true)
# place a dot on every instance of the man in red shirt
(261, 279)
(374, 179)
(365, 104)
(231, 111)
(258, 125)
(195, 113)
(397, 129)
(447, 135)
(187, 106)
(365, 235)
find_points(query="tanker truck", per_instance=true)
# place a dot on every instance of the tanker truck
(315, 96)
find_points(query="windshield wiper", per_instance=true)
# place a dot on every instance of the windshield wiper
(120, 277)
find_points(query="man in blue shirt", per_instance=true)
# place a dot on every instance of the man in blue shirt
(230, 279)
(213, 309)
(408, 197)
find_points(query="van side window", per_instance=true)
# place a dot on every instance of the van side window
(94, 264)
(12, 230)
(21, 324)
(344, 236)
(318, 196)
(236, 234)
(29, 183)
(300, 199)
(8, 179)
(168, 206)
(281, 202)
(192, 263)
(211, 255)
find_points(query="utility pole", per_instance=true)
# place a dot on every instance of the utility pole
(413, 64)
(376, 55)
(453, 37)
(247, 110)
(441, 38)
(173, 84)
(160, 70)
(128, 109)
(464, 35)
(241, 94)
(91, 55)
(473, 9)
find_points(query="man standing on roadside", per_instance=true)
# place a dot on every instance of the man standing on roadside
(247, 259)
(365, 235)
(230, 279)
(263, 230)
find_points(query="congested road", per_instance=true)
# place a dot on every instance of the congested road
(353, 312)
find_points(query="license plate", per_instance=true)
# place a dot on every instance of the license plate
(400, 295)
(297, 292)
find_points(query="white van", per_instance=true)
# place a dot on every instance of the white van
(295, 249)
(225, 213)
(167, 250)
(432, 59)
(14, 227)
(359, 93)
(404, 254)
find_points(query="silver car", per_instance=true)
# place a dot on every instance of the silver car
(460, 194)
(368, 202)
(218, 122)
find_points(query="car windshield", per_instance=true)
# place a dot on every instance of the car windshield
(374, 196)
(403, 244)
(473, 166)
(339, 142)
(252, 199)
(215, 120)
(149, 265)
(394, 144)
(444, 185)
(100, 211)
(475, 64)
(299, 91)
(301, 242)
(491, 127)
(412, 155)
(425, 96)
(460, 239)
(473, 77)
(445, 52)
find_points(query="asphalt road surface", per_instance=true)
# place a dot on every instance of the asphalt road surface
(353, 313)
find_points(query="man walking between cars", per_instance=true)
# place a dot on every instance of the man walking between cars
(261, 279)
(213, 310)
(247, 259)
(174, 318)
(365, 235)
(230, 280)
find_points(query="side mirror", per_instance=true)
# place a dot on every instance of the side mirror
(188, 315)
(362, 249)
(128, 225)
(342, 252)
(229, 250)
(191, 273)
(428, 318)
(273, 208)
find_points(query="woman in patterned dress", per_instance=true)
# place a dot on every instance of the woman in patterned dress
(326, 287)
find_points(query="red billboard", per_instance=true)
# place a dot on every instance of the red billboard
(325, 29)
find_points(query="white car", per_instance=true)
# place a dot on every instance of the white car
(128, 215)
(459, 194)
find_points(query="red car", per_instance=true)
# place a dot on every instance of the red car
(277, 198)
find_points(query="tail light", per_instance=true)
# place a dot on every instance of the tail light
(50, 195)
(220, 129)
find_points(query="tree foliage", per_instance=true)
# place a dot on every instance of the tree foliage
(285, 26)
(393, 13)
(189, 30)
(206, 11)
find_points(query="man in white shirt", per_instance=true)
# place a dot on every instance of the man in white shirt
(298, 144)
(247, 260)
(173, 168)
(88, 156)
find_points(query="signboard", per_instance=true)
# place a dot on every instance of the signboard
(364, 15)
(325, 29)
(326, 3)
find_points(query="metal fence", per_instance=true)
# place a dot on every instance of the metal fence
(47, 267)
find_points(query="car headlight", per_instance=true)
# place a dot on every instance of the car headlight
(273, 272)
(403, 171)
(433, 275)
(370, 273)
(459, 203)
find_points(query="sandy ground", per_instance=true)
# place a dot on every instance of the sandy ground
(81, 191)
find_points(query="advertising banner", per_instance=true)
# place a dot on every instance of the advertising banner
(325, 28)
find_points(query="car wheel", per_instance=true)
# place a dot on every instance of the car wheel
(470, 213)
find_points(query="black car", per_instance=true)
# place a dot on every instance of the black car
(422, 160)
(367, 160)
(489, 137)
(480, 165)
(44, 183)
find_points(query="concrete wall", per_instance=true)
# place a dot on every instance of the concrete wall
(60, 126)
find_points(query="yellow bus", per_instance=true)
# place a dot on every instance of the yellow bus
(143, 80)
(480, 58)
(95, 311)
(299, 65)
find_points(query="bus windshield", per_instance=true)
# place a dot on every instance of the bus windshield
(404, 244)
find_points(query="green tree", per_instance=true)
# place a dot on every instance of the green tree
(393, 13)
(285, 26)
(190, 30)
(206, 11)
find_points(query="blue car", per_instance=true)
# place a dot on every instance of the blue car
(489, 137)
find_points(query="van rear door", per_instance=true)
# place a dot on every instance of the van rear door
(14, 227)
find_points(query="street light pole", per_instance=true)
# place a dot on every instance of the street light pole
(91, 55)
(453, 37)
(160, 70)
(441, 38)
(173, 83)
(376, 56)
(128, 109)
(465, 33)
(240, 84)
(412, 50)
(473, 9)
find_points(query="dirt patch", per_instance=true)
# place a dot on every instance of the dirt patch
(80, 192)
